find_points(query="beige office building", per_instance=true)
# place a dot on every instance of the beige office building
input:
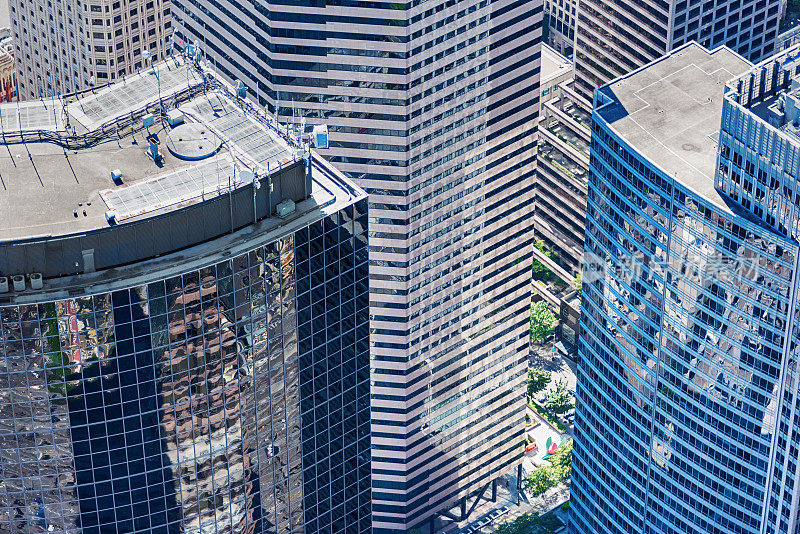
(614, 38)
(64, 46)
(433, 109)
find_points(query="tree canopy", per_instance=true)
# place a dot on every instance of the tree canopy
(542, 320)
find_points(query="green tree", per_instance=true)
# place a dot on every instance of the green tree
(540, 480)
(578, 283)
(537, 380)
(542, 320)
(560, 400)
(524, 524)
(540, 270)
(545, 477)
(561, 462)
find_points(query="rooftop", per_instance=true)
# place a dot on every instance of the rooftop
(138, 171)
(554, 64)
(43, 184)
(776, 101)
(671, 111)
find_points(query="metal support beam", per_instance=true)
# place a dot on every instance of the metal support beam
(477, 500)
(463, 512)
(449, 516)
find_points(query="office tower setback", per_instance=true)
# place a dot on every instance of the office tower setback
(63, 46)
(562, 178)
(432, 107)
(687, 379)
(614, 38)
(184, 315)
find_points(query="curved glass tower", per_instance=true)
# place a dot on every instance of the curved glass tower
(189, 349)
(687, 373)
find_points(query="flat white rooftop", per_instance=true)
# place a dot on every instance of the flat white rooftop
(554, 64)
(670, 111)
(63, 166)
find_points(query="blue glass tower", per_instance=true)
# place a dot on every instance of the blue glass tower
(188, 350)
(687, 386)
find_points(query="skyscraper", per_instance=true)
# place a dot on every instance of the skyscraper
(614, 38)
(64, 46)
(184, 318)
(687, 378)
(560, 17)
(433, 108)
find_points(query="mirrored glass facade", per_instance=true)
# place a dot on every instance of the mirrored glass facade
(687, 380)
(433, 108)
(229, 398)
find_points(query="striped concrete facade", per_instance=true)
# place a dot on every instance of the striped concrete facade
(62, 46)
(614, 38)
(432, 107)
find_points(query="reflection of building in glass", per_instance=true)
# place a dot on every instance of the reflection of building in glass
(432, 107)
(189, 361)
(687, 386)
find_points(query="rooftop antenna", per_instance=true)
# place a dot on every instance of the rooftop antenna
(256, 187)
(230, 192)
(53, 96)
(40, 86)
(269, 191)
(3, 131)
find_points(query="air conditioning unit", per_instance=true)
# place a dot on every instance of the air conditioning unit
(286, 208)
(36, 281)
(174, 117)
(18, 282)
(3, 284)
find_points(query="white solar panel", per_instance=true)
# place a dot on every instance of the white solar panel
(133, 93)
(253, 138)
(206, 180)
(32, 116)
